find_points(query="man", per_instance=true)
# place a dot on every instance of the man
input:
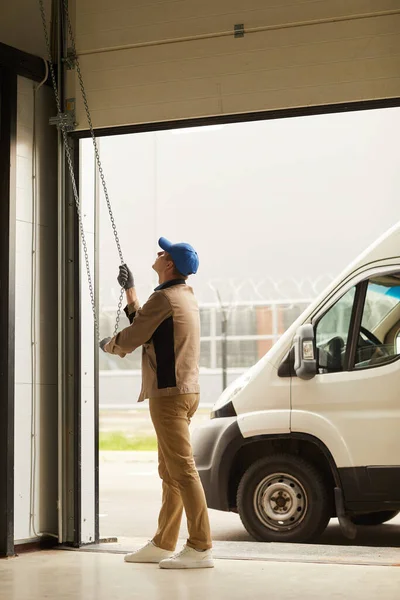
(168, 329)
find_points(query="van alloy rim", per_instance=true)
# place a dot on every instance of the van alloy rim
(280, 502)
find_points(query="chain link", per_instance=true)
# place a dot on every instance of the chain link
(89, 120)
(71, 168)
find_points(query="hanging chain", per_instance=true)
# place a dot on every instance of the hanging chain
(97, 154)
(71, 169)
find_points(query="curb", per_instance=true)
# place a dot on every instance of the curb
(138, 456)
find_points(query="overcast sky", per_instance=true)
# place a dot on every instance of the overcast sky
(285, 199)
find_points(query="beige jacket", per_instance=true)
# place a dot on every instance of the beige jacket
(168, 329)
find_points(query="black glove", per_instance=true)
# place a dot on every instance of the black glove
(104, 342)
(125, 277)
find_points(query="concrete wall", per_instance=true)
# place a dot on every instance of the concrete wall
(36, 319)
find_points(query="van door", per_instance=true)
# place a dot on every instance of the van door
(353, 403)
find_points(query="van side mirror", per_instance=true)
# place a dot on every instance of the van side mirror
(305, 364)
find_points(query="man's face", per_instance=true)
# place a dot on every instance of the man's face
(162, 263)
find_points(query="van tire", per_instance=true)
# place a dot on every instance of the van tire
(374, 518)
(286, 486)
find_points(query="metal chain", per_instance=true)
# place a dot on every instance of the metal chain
(97, 154)
(72, 174)
(89, 120)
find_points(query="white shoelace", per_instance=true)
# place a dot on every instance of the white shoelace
(178, 554)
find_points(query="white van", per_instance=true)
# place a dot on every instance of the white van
(312, 431)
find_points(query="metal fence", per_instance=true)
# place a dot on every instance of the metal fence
(237, 328)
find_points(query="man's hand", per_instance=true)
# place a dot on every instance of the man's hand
(104, 342)
(125, 277)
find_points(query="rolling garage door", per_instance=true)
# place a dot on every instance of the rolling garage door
(147, 61)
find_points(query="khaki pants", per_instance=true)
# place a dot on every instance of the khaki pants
(181, 485)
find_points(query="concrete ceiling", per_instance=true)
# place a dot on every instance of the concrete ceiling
(21, 26)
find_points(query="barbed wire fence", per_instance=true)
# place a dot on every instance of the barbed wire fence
(266, 290)
(240, 320)
(248, 291)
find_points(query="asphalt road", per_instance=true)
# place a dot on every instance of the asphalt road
(130, 495)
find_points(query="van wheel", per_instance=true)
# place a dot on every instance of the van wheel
(374, 518)
(283, 498)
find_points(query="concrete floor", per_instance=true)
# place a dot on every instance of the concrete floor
(63, 575)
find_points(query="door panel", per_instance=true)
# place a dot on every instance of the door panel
(363, 407)
(356, 391)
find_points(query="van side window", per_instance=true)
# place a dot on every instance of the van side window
(378, 337)
(332, 332)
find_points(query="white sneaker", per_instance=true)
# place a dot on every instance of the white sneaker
(188, 558)
(148, 554)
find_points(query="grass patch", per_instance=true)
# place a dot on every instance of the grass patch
(120, 441)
